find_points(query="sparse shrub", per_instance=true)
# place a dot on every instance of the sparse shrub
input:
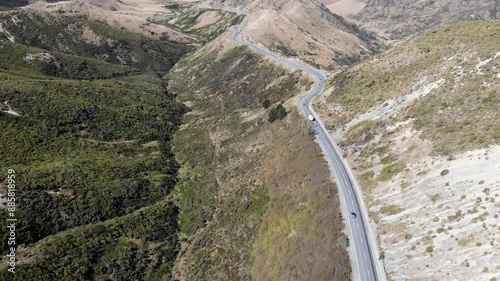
(434, 197)
(440, 230)
(382, 150)
(404, 184)
(367, 180)
(363, 132)
(458, 215)
(386, 160)
(496, 133)
(277, 113)
(389, 171)
(368, 175)
(266, 103)
(491, 98)
(429, 249)
(444, 172)
(390, 209)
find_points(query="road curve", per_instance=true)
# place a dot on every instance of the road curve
(365, 265)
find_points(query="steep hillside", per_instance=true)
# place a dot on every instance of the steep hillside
(245, 6)
(204, 24)
(306, 29)
(254, 189)
(87, 128)
(90, 126)
(21, 3)
(90, 39)
(131, 15)
(421, 127)
(400, 19)
(14, 3)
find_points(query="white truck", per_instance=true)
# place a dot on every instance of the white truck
(310, 117)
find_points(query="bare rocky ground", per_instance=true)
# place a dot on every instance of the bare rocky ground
(446, 225)
(438, 218)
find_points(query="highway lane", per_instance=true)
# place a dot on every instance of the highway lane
(365, 265)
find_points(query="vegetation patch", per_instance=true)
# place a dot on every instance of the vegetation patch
(224, 195)
(92, 39)
(302, 217)
(221, 196)
(113, 248)
(190, 23)
(277, 113)
(92, 192)
(391, 210)
(368, 180)
(390, 170)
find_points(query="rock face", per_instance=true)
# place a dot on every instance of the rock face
(403, 18)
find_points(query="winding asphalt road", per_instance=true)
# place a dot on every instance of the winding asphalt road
(365, 267)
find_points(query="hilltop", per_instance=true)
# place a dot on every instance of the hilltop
(297, 29)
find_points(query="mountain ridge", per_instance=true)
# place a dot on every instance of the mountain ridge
(397, 20)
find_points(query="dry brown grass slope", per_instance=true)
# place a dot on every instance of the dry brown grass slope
(306, 29)
(300, 237)
(131, 15)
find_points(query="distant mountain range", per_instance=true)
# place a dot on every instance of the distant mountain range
(399, 19)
